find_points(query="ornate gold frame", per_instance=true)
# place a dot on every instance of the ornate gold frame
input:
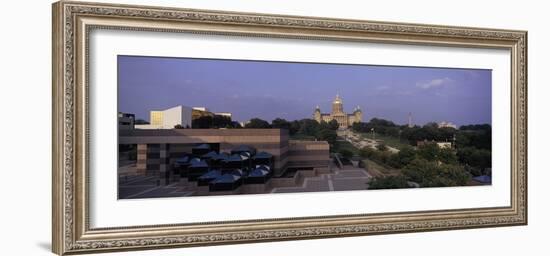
(72, 22)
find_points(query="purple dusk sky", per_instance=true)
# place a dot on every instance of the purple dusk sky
(288, 90)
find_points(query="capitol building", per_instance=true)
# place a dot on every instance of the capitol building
(344, 119)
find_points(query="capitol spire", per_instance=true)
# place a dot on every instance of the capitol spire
(337, 99)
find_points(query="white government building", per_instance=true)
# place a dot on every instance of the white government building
(344, 119)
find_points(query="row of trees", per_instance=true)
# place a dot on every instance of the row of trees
(476, 161)
(436, 174)
(216, 121)
(428, 166)
(429, 152)
(306, 127)
(471, 142)
(412, 135)
(389, 182)
(478, 136)
(325, 131)
(380, 126)
(429, 132)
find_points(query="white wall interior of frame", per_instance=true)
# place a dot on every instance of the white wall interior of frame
(107, 211)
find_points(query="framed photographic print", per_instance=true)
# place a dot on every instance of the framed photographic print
(179, 127)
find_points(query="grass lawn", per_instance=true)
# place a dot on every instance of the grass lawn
(388, 140)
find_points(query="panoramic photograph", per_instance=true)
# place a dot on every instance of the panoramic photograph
(205, 127)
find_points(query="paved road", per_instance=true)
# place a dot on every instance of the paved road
(360, 142)
(138, 186)
(350, 178)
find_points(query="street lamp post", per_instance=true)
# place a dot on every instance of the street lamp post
(373, 136)
(400, 131)
(454, 140)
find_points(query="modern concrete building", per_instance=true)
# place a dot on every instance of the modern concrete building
(226, 114)
(158, 149)
(344, 120)
(199, 112)
(169, 118)
(203, 109)
(440, 144)
(443, 145)
(126, 121)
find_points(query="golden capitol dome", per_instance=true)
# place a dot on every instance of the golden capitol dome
(344, 119)
(337, 100)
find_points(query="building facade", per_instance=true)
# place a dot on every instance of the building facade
(158, 149)
(445, 124)
(169, 118)
(344, 119)
(199, 112)
(225, 114)
(126, 121)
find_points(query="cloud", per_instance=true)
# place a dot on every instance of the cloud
(434, 83)
(382, 88)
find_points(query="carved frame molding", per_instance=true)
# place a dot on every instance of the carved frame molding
(72, 22)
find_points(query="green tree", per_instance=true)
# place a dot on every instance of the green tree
(455, 173)
(393, 161)
(219, 121)
(324, 125)
(480, 138)
(392, 131)
(257, 123)
(215, 121)
(446, 133)
(447, 155)
(479, 159)
(406, 155)
(381, 126)
(389, 182)
(433, 174)
(309, 127)
(294, 127)
(328, 136)
(346, 153)
(203, 122)
(419, 170)
(235, 124)
(333, 125)
(280, 123)
(428, 151)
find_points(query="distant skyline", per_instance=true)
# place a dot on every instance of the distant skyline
(289, 90)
